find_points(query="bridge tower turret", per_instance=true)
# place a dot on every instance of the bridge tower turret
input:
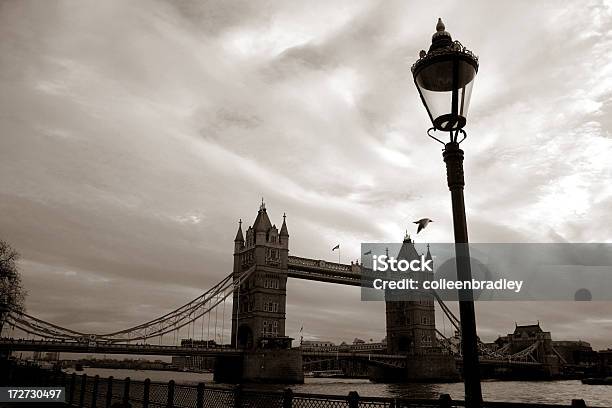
(258, 318)
(238, 245)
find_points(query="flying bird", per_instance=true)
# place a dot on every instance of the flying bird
(423, 222)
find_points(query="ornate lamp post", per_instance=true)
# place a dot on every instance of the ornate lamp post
(444, 76)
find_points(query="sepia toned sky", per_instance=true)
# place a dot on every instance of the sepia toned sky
(134, 135)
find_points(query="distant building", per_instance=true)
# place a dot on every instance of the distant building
(528, 336)
(198, 343)
(543, 349)
(42, 356)
(52, 356)
(575, 352)
(308, 344)
(193, 363)
(605, 362)
(362, 347)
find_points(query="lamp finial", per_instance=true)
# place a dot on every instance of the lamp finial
(441, 38)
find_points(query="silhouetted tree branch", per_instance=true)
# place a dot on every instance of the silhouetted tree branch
(12, 294)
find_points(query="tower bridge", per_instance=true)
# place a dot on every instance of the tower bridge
(259, 349)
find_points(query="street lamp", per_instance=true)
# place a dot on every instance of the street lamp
(444, 76)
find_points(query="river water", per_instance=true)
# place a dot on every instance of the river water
(552, 392)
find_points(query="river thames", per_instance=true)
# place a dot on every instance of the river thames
(551, 392)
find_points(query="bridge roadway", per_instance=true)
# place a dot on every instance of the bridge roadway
(397, 360)
(112, 348)
(152, 349)
(400, 360)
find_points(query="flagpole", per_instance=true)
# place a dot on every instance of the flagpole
(338, 248)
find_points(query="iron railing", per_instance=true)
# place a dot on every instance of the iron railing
(95, 392)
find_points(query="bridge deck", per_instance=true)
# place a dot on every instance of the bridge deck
(110, 348)
(155, 350)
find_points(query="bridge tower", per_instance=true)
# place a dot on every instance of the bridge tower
(258, 318)
(411, 324)
(258, 315)
(411, 330)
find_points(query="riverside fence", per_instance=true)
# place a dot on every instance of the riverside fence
(96, 392)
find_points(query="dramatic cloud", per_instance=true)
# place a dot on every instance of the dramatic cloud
(136, 134)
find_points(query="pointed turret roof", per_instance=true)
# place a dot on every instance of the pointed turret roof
(428, 256)
(407, 252)
(262, 222)
(284, 232)
(239, 236)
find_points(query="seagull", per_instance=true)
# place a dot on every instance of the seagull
(422, 223)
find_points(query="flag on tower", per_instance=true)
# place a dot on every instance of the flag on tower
(336, 247)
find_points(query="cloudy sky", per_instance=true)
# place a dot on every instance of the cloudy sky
(134, 135)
